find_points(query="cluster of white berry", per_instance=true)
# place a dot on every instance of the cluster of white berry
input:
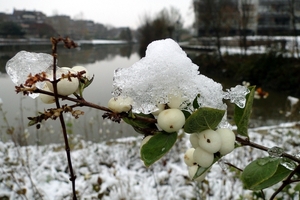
(204, 145)
(64, 86)
(169, 116)
(170, 119)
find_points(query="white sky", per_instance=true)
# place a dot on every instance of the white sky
(117, 13)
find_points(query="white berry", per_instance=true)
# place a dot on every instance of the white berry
(194, 139)
(228, 140)
(188, 157)
(64, 86)
(79, 69)
(193, 170)
(171, 120)
(202, 157)
(120, 104)
(210, 141)
(175, 101)
(46, 98)
(160, 107)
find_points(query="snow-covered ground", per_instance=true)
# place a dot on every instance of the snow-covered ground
(113, 170)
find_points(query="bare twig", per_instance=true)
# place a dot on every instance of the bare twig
(235, 167)
(247, 142)
(82, 102)
(55, 41)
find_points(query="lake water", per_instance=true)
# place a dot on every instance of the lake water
(101, 61)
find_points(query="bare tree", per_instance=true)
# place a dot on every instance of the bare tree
(173, 20)
(163, 25)
(291, 6)
(245, 8)
(215, 18)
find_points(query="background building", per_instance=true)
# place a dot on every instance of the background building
(234, 17)
(35, 24)
(278, 17)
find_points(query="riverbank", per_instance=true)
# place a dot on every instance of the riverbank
(271, 70)
(27, 41)
(44, 41)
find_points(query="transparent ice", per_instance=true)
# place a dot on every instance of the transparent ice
(288, 164)
(263, 162)
(222, 163)
(237, 95)
(275, 151)
(165, 70)
(24, 63)
(297, 155)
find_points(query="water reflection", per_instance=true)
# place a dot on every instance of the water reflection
(87, 54)
(100, 61)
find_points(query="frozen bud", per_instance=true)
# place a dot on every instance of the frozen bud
(228, 139)
(188, 157)
(175, 101)
(46, 98)
(120, 104)
(202, 157)
(64, 86)
(210, 141)
(79, 69)
(194, 139)
(171, 120)
(160, 107)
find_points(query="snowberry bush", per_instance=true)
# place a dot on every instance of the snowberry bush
(160, 95)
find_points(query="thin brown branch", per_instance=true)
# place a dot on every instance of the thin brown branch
(61, 118)
(295, 181)
(247, 142)
(82, 102)
(235, 167)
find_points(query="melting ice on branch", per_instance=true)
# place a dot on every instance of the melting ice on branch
(24, 63)
(237, 95)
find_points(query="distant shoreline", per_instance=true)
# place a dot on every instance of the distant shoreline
(39, 41)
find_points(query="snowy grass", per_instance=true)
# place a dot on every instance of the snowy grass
(113, 170)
